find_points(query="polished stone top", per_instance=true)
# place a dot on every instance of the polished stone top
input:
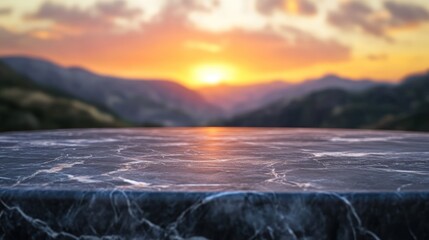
(216, 159)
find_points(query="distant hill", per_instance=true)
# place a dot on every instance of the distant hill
(26, 106)
(236, 100)
(401, 107)
(135, 100)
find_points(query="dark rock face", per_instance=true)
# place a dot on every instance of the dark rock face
(214, 184)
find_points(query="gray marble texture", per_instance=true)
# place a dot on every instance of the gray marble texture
(216, 159)
(214, 183)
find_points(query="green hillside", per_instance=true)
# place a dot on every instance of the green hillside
(401, 107)
(26, 106)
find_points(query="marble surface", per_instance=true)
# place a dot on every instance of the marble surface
(216, 159)
(214, 183)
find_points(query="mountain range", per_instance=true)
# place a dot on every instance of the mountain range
(134, 100)
(161, 102)
(329, 101)
(235, 100)
(400, 107)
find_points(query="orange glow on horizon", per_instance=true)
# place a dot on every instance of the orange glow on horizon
(211, 74)
(234, 42)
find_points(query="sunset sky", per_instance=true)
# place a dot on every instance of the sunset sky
(236, 42)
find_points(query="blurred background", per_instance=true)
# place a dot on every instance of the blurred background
(266, 63)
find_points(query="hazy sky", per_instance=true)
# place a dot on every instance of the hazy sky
(239, 41)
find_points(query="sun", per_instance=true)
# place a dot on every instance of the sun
(211, 74)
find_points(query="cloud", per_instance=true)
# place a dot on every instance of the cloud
(170, 41)
(406, 14)
(17, 42)
(116, 9)
(300, 49)
(173, 36)
(194, 5)
(356, 14)
(74, 17)
(377, 22)
(5, 11)
(100, 17)
(377, 57)
(8, 38)
(306, 7)
(298, 7)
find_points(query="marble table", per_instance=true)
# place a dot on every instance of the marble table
(214, 183)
